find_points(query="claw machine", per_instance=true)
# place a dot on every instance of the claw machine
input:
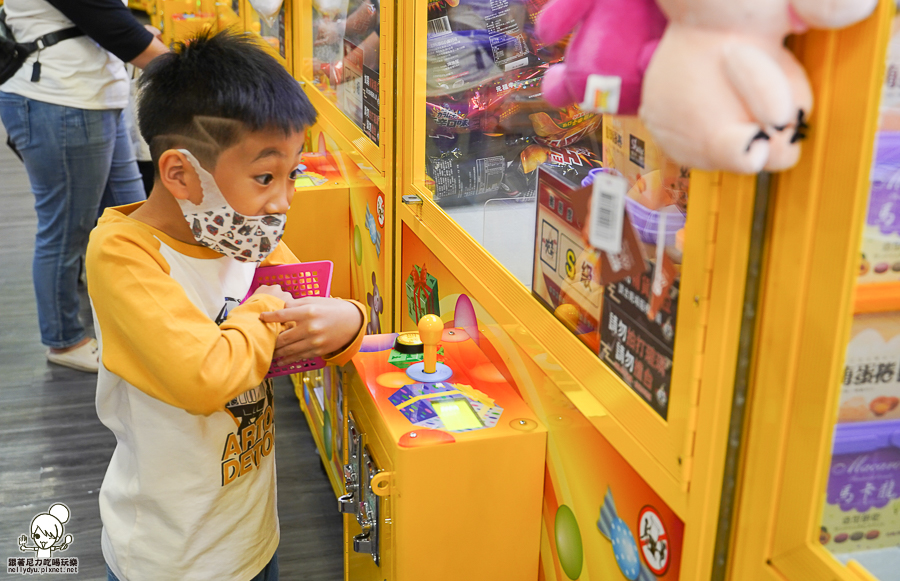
(818, 490)
(342, 54)
(343, 57)
(628, 357)
(276, 30)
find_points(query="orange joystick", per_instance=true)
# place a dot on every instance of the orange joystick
(430, 330)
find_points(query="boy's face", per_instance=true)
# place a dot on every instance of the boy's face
(256, 176)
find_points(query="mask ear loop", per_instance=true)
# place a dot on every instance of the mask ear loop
(212, 195)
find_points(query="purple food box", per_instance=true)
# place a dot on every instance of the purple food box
(644, 220)
(884, 200)
(863, 485)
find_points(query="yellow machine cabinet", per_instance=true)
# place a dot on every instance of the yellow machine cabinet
(444, 479)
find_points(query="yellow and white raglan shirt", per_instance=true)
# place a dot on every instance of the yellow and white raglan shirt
(189, 494)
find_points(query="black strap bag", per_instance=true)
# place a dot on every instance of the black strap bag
(13, 54)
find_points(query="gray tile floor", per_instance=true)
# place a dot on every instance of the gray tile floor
(54, 449)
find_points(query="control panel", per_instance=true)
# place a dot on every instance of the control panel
(436, 436)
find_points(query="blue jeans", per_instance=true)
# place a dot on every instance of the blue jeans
(78, 161)
(270, 573)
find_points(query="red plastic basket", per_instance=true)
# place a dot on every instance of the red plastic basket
(305, 279)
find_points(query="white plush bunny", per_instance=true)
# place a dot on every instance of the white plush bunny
(723, 93)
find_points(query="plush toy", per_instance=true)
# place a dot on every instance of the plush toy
(615, 39)
(723, 93)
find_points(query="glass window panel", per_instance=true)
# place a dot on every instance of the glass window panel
(861, 518)
(346, 58)
(517, 174)
(273, 31)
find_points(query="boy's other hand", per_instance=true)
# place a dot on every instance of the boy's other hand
(275, 291)
(319, 327)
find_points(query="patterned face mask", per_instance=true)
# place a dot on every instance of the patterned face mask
(215, 224)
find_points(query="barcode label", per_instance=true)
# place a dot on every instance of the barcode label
(608, 212)
(439, 26)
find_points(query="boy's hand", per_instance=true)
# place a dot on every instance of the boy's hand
(320, 326)
(275, 291)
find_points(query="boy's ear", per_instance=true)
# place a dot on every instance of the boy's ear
(179, 177)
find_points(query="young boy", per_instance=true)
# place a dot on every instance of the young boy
(190, 489)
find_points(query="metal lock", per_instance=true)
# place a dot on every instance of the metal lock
(368, 514)
(363, 544)
(349, 503)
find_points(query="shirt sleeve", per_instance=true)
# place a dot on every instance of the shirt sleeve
(343, 357)
(109, 23)
(283, 255)
(157, 340)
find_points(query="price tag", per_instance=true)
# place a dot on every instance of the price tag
(608, 212)
(601, 94)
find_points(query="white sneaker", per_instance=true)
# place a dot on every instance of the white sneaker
(85, 358)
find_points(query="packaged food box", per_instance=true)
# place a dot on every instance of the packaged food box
(871, 381)
(567, 270)
(880, 261)
(656, 180)
(862, 510)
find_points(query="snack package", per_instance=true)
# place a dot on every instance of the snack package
(871, 382)
(511, 103)
(637, 333)
(552, 53)
(459, 61)
(572, 164)
(880, 261)
(862, 510)
(472, 42)
(501, 104)
(470, 168)
(563, 127)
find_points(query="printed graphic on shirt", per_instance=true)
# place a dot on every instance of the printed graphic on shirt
(47, 537)
(230, 303)
(254, 437)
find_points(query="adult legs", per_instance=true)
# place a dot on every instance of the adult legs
(68, 155)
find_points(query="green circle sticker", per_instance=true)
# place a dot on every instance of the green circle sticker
(357, 245)
(327, 434)
(568, 542)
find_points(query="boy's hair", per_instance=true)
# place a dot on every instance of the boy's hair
(213, 88)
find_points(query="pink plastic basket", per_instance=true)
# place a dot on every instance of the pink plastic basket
(305, 279)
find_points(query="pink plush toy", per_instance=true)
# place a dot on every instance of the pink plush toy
(723, 93)
(615, 38)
